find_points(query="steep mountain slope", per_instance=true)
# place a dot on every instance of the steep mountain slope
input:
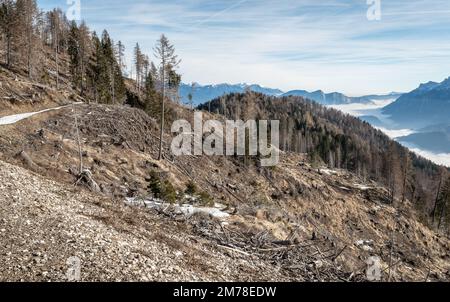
(83, 181)
(325, 222)
(338, 140)
(44, 223)
(18, 94)
(435, 141)
(427, 105)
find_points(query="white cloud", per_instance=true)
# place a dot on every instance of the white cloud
(396, 133)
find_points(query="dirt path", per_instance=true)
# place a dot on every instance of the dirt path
(44, 223)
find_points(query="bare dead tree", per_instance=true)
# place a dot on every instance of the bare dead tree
(165, 52)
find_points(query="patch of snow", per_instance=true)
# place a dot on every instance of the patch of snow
(178, 254)
(376, 208)
(190, 210)
(328, 171)
(362, 187)
(365, 245)
(185, 209)
(318, 264)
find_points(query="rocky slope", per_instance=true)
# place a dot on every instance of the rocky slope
(291, 222)
(43, 223)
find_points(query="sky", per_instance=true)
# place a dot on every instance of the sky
(287, 44)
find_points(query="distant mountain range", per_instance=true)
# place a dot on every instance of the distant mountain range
(204, 93)
(434, 138)
(427, 105)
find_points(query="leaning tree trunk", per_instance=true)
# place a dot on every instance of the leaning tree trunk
(433, 213)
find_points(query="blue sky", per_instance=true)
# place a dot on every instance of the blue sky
(287, 44)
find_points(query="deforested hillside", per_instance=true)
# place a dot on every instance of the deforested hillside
(341, 141)
(44, 223)
(311, 222)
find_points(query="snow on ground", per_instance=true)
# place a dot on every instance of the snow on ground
(12, 119)
(366, 245)
(328, 172)
(186, 209)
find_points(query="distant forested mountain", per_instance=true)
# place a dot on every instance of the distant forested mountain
(434, 138)
(203, 93)
(429, 104)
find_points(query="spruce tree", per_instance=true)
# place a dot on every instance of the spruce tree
(7, 26)
(138, 65)
(107, 70)
(73, 50)
(93, 70)
(28, 17)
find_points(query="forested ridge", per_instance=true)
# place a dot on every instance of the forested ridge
(339, 140)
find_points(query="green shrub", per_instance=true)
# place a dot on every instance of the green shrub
(161, 189)
(191, 188)
(168, 192)
(203, 198)
(154, 185)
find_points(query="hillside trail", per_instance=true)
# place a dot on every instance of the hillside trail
(12, 119)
